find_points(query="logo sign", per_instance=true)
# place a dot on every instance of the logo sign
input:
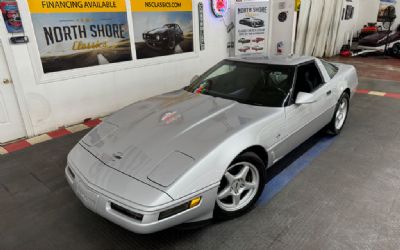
(170, 117)
(219, 7)
(282, 17)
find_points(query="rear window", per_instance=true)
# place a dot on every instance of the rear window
(330, 68)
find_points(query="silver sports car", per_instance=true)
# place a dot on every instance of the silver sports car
(203, 152)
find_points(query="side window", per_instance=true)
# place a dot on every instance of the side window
(308, 79)
(330, 68)
(223, 70)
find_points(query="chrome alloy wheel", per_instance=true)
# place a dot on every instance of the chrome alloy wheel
(341, 113)
(238, 186)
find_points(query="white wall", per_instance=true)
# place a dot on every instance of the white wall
(68, 101)
(281, 31)
(367, 13)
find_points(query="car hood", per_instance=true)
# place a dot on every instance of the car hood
(157, 31)
(176, 128)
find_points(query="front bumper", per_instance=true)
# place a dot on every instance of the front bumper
(139, 219)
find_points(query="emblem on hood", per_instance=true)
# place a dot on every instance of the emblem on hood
(170, 117)
(118, 155)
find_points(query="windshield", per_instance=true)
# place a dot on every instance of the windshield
(255, 84)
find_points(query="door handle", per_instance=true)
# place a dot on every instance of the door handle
(7, 81)
(329, 92)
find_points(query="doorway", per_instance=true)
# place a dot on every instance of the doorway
(11, 123)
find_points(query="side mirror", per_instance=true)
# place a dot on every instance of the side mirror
(194, 79)
(304, 98)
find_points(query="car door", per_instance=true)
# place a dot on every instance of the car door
(324, 105)
(304, 120)
(11, 123)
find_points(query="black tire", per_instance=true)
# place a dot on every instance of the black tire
(171, 43)
(396, 49)
(333, 126)
(255, 160)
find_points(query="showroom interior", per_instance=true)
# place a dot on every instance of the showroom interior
(200, 124)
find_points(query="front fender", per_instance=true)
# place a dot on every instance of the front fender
(209, 170)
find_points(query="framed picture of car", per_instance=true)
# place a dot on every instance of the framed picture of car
(251, 27)
(160, 31)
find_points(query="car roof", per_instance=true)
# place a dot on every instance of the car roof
(274, 60)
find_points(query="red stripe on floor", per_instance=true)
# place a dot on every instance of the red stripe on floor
(17, 146)
(393, 95)
(92, 123)
(362, 91)
(59, 133)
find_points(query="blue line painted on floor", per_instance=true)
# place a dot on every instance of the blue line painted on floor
(275, 185)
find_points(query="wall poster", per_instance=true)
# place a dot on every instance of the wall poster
(251, 27)
(162, 27)
(12, 19)
(80, 33)
(386, 8)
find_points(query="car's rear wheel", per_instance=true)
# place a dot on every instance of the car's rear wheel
(240, 187)
(340, 115)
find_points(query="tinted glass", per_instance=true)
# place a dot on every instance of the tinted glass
(308, 79)
(255, 84)
(330, 68)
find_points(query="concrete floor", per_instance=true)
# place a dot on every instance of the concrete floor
(373, 67)
(348, 197)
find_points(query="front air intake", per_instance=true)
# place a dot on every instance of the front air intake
(126, 212)
(71, 173)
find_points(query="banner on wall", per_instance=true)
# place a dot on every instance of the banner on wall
(297, 5)
(384, 9)
(251, 27)
(12, 19)
(76, 34)
(162, 27)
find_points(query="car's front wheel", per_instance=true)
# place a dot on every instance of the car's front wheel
(340, 115)
(240, 187)
(396, 49)
(171, 43)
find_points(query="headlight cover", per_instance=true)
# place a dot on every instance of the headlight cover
(171, 168)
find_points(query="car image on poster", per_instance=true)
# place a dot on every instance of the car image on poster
(162, 28)
(251, 27)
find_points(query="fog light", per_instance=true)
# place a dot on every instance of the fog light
(194, 202)
(176, 210)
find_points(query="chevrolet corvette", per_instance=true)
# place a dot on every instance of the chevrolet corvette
(203, 152)
(165, 37)
(252, 22)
